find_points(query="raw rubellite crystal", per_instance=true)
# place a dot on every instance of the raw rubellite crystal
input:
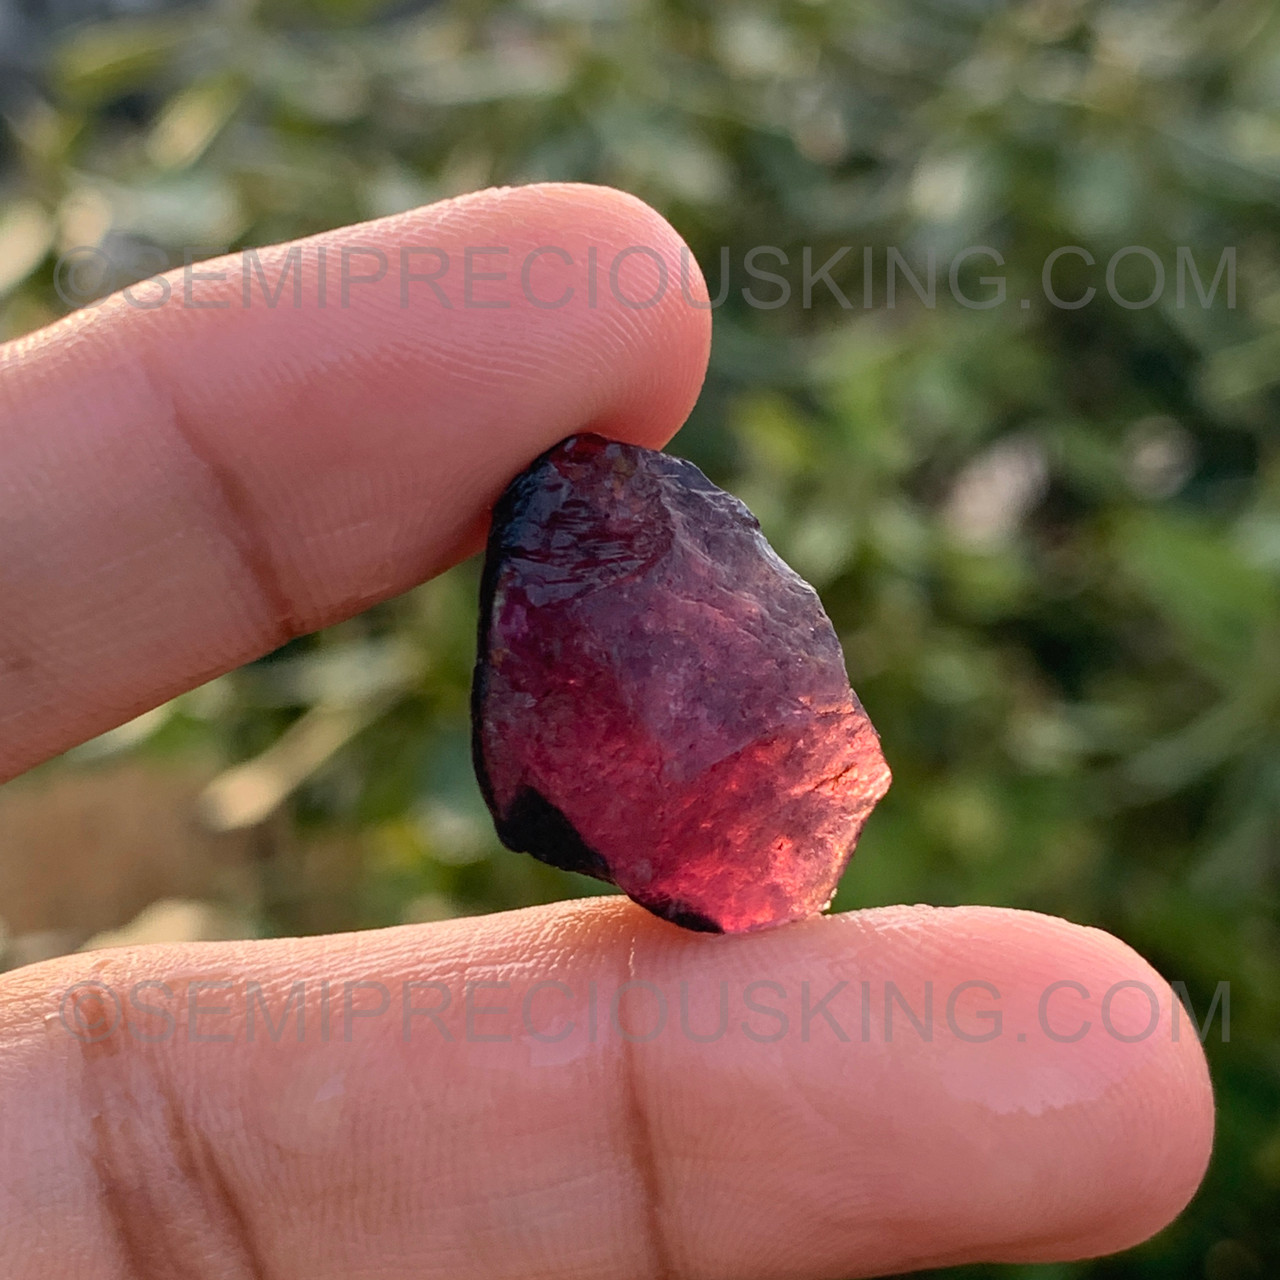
(660, 701)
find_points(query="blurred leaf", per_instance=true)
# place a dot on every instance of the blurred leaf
(26, 236)
(1219, 604)
(99, 61)
(190, 121)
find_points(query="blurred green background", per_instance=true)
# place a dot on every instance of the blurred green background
(1049, 538)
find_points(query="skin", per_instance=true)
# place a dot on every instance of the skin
(181, 490)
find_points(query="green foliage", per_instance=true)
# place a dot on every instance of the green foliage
(1049, 537)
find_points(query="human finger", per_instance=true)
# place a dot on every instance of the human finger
(555, 1092)
(191, 474)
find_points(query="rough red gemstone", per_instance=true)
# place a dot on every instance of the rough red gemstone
(659, 700)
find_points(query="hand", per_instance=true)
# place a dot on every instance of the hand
(184, 488)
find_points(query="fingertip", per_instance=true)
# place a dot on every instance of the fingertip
(1147, 1140)
(638, 272)
(993, 1086)
(1102, 1065)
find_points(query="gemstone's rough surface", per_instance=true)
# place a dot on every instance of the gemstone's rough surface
(660, 701)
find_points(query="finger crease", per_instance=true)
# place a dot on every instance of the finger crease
(241, 520)
(225, 1205)
(643, 1153)
(155, 1229)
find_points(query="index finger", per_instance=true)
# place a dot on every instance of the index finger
(192, 474)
